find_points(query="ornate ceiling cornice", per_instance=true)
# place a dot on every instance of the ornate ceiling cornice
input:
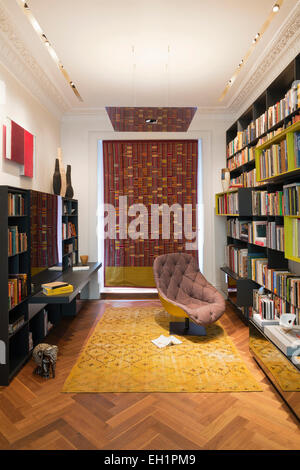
(15, 56)
(278, 54)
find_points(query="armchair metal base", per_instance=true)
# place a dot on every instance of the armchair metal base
(186, 328)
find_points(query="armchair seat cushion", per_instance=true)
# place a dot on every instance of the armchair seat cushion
(179, 281)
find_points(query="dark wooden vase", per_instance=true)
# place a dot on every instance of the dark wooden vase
(56, 178)
(69, 190)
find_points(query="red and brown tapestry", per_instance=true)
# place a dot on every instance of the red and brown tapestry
(147, 172)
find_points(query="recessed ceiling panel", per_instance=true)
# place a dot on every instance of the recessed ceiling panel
(131, 119)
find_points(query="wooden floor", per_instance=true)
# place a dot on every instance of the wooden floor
(34, 414)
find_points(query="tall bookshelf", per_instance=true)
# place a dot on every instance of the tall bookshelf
(262, 159)
(31, 323)
(14, 343)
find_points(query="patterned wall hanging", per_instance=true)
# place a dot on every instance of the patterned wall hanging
(19, 147)
(44, 237)
(147, 172)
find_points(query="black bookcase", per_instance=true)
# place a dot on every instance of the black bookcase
(37, 319)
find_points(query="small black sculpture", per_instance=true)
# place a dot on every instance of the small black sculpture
(45, 355)
(57, 178)
(69, 190)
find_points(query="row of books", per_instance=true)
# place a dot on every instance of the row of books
(16, 204)
(259, 202)
(264, 203)
(68, 230)
(296, 238)
(17, 242)
(245, 180)
(243, 138)
(283, 283)
(268, 119)
(291, 193)
(275, 236)
(284, 107)
(17, 289)
(248, 231)
(228, 203)
(274, 160)
(264, 305)
(270, 307)
(13, 327)
(236, 259)
(275, 203)
(245, 156)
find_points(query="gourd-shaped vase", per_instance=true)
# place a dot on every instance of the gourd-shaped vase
(62, 173)
(56, 178)
(69, 190)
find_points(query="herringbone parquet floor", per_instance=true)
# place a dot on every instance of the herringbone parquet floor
(34, 414)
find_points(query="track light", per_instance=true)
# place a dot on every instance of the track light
(276, 8)
(72, 84)
(241, 63)
(256, 38)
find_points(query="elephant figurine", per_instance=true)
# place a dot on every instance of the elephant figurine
(45, 356)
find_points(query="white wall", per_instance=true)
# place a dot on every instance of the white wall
(22, 108)
(79, 137)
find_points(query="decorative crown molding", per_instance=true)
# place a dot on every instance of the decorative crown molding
(278, 54)
(15, 56)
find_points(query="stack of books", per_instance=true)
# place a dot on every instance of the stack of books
(57, 288)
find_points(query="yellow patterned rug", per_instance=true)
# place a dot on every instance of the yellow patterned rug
(120, 357)
(284, 373)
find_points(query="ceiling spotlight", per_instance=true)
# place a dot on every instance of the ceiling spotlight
(256, 38)
(72, 84)
(241, 63)
(151, 121)
(276, 8)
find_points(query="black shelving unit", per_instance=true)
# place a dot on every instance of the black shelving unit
(15, 347)
(70, 249)
(242, 296)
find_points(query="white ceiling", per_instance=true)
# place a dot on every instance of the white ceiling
(94, 39)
